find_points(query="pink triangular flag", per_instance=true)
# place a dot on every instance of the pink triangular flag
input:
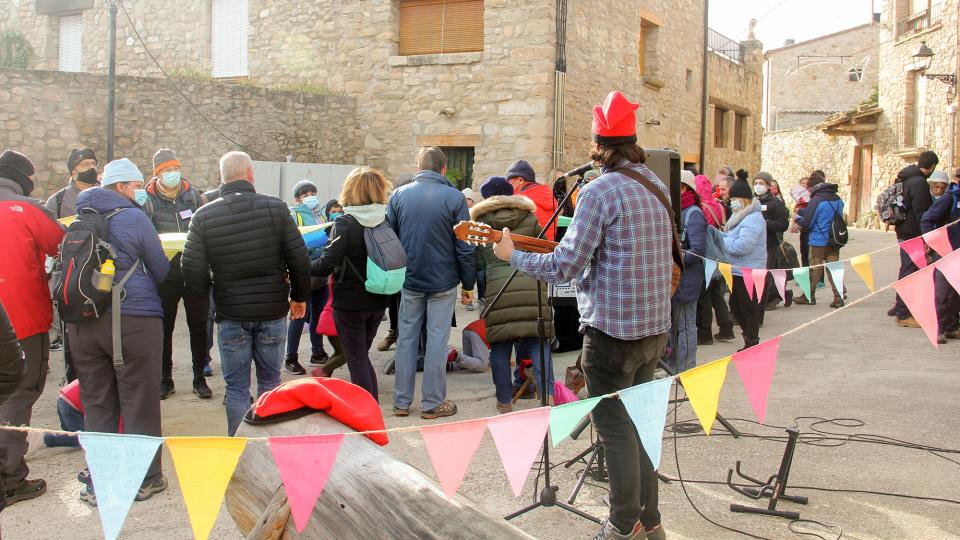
(760, 282)
(304, 464)
(780, 280)
(939, 241)
(451, 447)
(915, 249)
(755, 366)
(949, 266)
(916, 290)
(747, 275)
(518, 437)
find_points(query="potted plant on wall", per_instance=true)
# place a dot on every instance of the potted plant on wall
(15, 50)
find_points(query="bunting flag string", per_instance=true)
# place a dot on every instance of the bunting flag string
(759, 281)
(755, 366)
(916, 250)
(727, 272)
(780, 281)
(451, 448)
(802, 277)
(518, 437)
(204, 466)
(836, 272)
(747, 275)
(647, 406)
(863, 267)
(917, 292)
(709, 268)
(702, 385)
(304, 464)
(939, 241)
(564, 419)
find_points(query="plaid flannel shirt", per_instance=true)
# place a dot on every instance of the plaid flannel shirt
(617, 251)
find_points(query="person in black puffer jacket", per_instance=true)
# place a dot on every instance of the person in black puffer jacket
(778, 220)
(171, 203)
(357, 312)
(917, 200)
(260, 271)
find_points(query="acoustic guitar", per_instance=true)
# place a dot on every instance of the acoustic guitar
(481, 234)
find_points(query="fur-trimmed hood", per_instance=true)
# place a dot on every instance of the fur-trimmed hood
(500, 202)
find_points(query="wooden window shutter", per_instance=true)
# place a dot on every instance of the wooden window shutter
(440, 26)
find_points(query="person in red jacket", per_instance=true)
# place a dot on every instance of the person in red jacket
(30, 233)
(524, 182)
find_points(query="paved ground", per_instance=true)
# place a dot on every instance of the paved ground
(856, 364)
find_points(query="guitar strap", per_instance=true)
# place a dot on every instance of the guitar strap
(645, 182)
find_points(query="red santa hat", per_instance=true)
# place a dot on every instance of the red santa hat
(615, 122)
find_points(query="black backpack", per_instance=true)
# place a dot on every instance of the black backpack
(838, 231)
(83, 251)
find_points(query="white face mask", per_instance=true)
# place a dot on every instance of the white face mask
(170, 179)
(760, 189)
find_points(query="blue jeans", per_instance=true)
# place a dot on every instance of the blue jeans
(481, 284)
(70, 420)
(240, 343)
(683, 336)
(500, 365)
(437, 308)
(315, 304)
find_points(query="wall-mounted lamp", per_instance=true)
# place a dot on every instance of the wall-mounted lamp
(921, 62)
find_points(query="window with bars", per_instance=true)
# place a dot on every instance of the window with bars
(229, 38)
(440, 26)
(71, 43)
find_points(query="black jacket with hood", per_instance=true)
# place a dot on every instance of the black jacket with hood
(917, 199)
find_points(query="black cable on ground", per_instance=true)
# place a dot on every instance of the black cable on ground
(180, 91)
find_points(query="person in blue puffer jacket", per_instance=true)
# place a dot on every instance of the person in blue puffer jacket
(816, 219)
(693, 234)
(944, 211)
(745, 242)
(134, 391)
(307, 211)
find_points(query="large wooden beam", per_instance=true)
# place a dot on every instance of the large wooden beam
(369, 494)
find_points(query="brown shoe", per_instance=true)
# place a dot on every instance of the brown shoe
(909, 322)
(504, 408)
(26, 490)
(388, 341)
(952, 334)
(447, 408)
(397, 411)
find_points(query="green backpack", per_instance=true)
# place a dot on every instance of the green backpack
(386, 260)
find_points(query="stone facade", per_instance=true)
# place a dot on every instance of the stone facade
(808, 81)
(47, 113)
(869, 154)
(500, 101)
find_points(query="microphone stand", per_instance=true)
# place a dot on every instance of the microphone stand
(548, 495)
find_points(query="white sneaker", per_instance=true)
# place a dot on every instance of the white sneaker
(34, 443)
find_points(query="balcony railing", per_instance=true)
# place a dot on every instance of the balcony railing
(920, 21)
(724, 46)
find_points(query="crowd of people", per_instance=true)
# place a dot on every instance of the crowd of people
(248, 273)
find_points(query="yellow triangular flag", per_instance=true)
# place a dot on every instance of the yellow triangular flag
(861, 264)
(204, 467)
(727, 271)
(702, 385)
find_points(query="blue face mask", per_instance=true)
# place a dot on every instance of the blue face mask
(311, 201)
(335, 215)
(736, 205)
(170, 179)
(140, 196)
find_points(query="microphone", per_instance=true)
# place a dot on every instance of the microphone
(579, 171)
(560, 185)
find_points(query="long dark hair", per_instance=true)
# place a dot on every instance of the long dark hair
(615, 154)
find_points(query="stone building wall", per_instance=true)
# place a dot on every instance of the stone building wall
(808, 81)
(790, 154)
(738, 88)
(47, 113)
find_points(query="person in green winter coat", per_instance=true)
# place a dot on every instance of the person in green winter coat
(512, 322)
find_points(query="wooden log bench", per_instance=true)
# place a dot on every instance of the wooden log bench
(369, 494)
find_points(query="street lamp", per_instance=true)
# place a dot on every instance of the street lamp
(921, 62)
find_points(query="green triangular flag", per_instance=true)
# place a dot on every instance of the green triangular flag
(564, 418)
(802, 277)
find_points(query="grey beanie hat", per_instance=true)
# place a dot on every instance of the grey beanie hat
(302, 186)
(163, 155)
(765, 176)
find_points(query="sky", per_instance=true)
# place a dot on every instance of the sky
(779, 20)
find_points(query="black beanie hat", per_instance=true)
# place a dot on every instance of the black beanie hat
(741, 189)
(79, 154)
(522, 169)
(17, 167)
(496, 185)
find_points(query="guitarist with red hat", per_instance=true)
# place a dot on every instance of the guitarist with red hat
(618, 251)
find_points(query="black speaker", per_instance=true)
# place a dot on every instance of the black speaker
(666, 164)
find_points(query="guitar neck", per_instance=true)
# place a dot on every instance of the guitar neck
(526, 243)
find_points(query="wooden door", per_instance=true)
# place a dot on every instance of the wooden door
(866, 179)
(459, 165)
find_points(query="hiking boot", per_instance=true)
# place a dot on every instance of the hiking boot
(504, 408)
(88, 496)
(201, 389)
(772, 305)
(837, 303)
(84, 476)
(400, 411)
(26, 490)
(166, 388)
(788, 301)
(56, 345)
(318, 359)
(388, 341)
(725, 336)
(656, 533)
(952, 334)
(909, 322)
(447, 408)
(292, 365)
(803, 301)
(149, 490)
(941, 340)
(610, 532)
